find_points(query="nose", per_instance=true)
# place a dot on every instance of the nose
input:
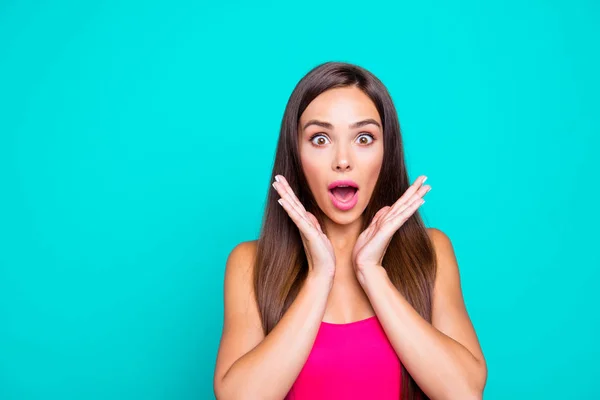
(341, 162)
(342, 165)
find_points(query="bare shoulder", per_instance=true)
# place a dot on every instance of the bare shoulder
(449, 313)
(242, 327)
(441, 242)
(447, 274)
(238, 285)
(241, 258)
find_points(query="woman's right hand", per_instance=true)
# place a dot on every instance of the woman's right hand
(317, 246)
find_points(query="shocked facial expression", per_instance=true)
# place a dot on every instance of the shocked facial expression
(341, 150)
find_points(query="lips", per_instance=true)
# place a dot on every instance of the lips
(343, 194)
(345, 182)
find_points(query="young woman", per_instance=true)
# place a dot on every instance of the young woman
(346, 294)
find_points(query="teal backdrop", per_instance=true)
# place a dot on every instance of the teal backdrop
(136, 146)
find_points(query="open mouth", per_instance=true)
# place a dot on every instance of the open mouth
(343, 195)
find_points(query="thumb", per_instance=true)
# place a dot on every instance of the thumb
(314, 220)
(384, 251)
(380, 214)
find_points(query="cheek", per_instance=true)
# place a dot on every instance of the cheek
(375, 169)
(372, 169)
(372, 164)
(310, 164)
(313, 169)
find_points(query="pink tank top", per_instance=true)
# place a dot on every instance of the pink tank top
(349, 361)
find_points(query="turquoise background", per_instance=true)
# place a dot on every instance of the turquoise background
(136, 145)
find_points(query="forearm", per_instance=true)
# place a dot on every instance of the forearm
(269, 370)
(442, 367)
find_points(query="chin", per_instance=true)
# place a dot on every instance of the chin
(343, 217)
(346, 219)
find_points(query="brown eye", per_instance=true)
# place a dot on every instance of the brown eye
(320, 141)
(366, 141)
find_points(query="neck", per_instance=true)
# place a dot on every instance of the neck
(343, 238)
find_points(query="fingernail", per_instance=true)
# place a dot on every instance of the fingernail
(428, 189)
(422, 201)
(277, 178)
(424, 179)
(273, 184)
(279, 201)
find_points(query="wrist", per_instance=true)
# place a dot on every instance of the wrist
(321, 279)
(367, 273)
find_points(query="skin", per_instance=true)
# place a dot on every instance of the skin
(337, 153)
(346, 281)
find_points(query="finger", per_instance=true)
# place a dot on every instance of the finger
(375, 222)
(314, 221)
(385, 251)
(402, 216)
(286, 188)
(290, 197)
(391, 222)
(303, 225)
(412, 189)
(419, 194)
(382, 212)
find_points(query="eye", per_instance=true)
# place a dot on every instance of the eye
(366, 135)
(316, 136)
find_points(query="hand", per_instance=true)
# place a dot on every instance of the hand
(373, 242)
(317, 246)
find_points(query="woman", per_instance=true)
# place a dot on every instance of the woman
(346, 294)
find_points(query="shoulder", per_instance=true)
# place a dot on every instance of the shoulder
(239, 284)
(443, 248)
(447, 266)
(449, 312)
(242, 327)
(441, 242)
(242, 256)
(239, 270)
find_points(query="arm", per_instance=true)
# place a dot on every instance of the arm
(444, 358)
(250, 365)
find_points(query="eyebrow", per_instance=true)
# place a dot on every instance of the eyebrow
(327, 125)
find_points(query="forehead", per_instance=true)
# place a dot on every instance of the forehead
(340, 106)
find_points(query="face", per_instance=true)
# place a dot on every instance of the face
(341, 139)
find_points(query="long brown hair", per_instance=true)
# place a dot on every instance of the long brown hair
(281, 265)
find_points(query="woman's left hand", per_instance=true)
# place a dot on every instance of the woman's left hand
(372, 243)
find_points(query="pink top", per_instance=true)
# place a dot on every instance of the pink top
(349, 361)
